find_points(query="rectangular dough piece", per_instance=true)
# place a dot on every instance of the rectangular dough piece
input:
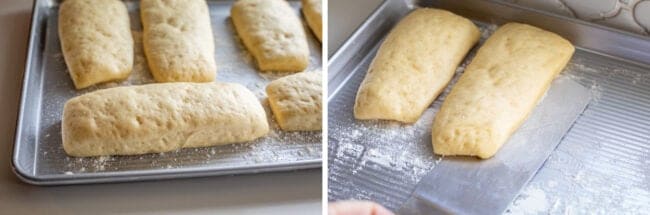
(177, 39)
(96, 41)
(160, 117)
(312, 9)
(273, 33)
(414, 64)
(498, 90)
(296, 101)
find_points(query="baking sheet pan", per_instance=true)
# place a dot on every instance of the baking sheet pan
(39, 157)
(601, 165)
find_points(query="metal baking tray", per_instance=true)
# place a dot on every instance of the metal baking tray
(39, 157)
(602, 164)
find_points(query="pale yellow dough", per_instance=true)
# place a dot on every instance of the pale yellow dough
(498, 90)
(272, 33)
(414, 64)
(96, 41)
(312, 9)
(178, 41)
(160, 117)
(296, 101)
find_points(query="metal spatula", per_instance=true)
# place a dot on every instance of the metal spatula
(463, 185)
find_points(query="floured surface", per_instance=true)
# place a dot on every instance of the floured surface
(234, 65)
(601, 165)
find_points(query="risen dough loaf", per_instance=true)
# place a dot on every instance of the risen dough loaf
(296, 101)
(177, 39)
(314, 16)
(96, 41)
(498, 90)
(273, 33)
(414, 64)
(160, 117)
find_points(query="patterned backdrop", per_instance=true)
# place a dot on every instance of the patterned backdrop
(627, 15)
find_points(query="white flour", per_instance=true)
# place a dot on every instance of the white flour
(531, 201)
(596, 89)
(388, 145)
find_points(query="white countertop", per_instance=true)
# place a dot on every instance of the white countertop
(272, 193)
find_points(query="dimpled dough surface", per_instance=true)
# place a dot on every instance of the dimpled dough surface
(314, 16)
(160, 117)
(96, 41)
(414, 64)
(273, 33)
(296, 101)
(178, 41)
(498, 90)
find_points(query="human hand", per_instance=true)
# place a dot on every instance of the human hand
(356, 208)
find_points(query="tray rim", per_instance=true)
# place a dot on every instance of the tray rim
(159, 174)
(349, 42)
(15, 166)
(131, 175)
(356, 33)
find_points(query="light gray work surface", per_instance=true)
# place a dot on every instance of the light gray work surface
(275, 193)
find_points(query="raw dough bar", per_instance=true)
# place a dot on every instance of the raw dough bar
(273, 33)
(414, 64)
(296, 101)
(312, 9)
(160, 117)
(498, 90)
(178, 41)
(96, 41)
